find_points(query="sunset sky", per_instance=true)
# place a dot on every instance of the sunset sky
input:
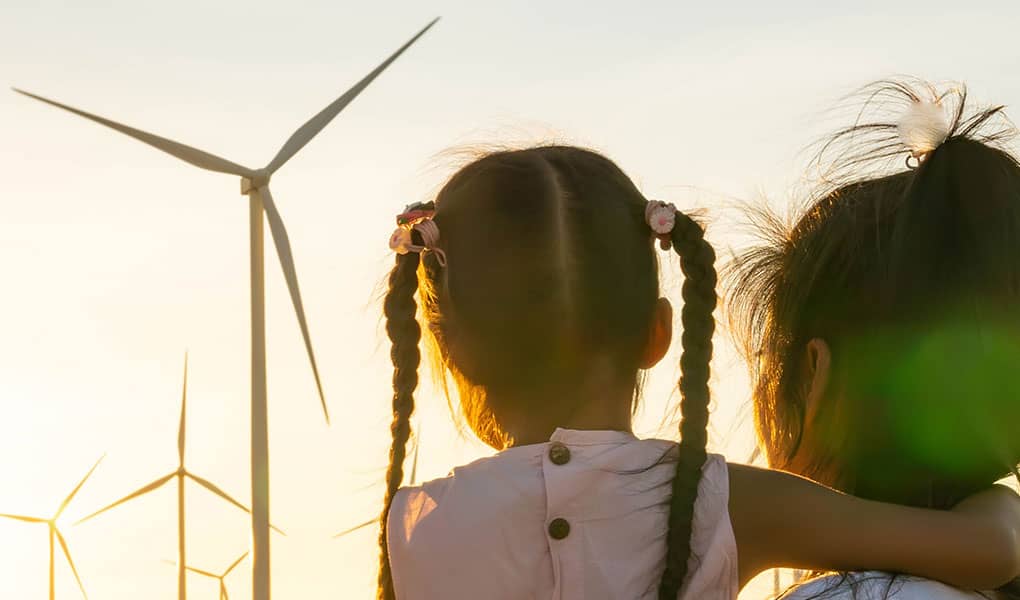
(118, 258)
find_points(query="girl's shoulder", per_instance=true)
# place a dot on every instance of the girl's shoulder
(876, 585)
(606, 455)
(483, 484)
(480, 483)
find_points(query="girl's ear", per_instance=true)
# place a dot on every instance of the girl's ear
(818, 364)
(661, 334)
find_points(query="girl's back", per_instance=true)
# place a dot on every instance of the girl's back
(583, 515)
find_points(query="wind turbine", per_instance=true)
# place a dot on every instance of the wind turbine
(255, 183)
(414, 480)
(54, 531)
(221, 577)
(180, 473)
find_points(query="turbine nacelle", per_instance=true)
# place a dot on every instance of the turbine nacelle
(259, 179)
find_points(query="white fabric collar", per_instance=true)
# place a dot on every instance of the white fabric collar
(591, 437)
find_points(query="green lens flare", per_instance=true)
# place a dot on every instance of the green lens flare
(945, 400)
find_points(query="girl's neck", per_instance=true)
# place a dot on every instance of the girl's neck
(606, 409)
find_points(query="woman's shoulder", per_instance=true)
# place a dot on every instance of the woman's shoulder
(875, 585)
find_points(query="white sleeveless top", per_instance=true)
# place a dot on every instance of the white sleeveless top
(875, 585)
(583, 516)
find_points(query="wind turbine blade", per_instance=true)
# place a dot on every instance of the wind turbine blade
(201, 572)
(414, 465)
(192, 569)
(22, 518)
(212, 487)
(67, 555)
(70, 496)
(314, 125)
(223, 591)
(188, 154)
(282, 242)
(356, 527)
(184, 405)
(235, 563)
(140, 491)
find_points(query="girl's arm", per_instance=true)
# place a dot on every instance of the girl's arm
(782, 520)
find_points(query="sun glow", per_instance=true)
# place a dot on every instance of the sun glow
(118, 257)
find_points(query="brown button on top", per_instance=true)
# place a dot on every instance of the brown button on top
(559, 529)
(559, 454)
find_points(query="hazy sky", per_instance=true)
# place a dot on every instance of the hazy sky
(117, 258)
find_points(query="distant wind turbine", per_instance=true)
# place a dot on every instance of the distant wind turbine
(413, 481)
(180, 473)
(255, 183)
(54, 530)
(221, 578)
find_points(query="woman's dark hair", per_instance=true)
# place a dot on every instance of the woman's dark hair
(549, 273)
(912, 278)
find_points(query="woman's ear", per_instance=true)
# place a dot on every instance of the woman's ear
(660, 336)
(818, 364)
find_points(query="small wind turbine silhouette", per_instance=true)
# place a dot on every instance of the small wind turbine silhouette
(255, 183)
(54, 531)
(413, 481)
(220, 578)
(181, 472)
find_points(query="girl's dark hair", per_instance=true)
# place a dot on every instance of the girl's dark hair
(912, 277)
(550, 273)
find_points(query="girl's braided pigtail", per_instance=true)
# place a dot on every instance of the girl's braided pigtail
(697, 260)
(404, 333)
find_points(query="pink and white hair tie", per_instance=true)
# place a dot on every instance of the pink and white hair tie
(661, 217)
(417, 217)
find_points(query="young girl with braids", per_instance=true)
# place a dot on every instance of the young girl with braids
(885, 324)
(538, 285)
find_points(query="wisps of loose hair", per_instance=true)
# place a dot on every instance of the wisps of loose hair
(871, 147)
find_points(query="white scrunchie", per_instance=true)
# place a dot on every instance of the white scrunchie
(923, 128)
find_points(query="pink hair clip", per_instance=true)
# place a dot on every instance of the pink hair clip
(661, 217)
(417, 217)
